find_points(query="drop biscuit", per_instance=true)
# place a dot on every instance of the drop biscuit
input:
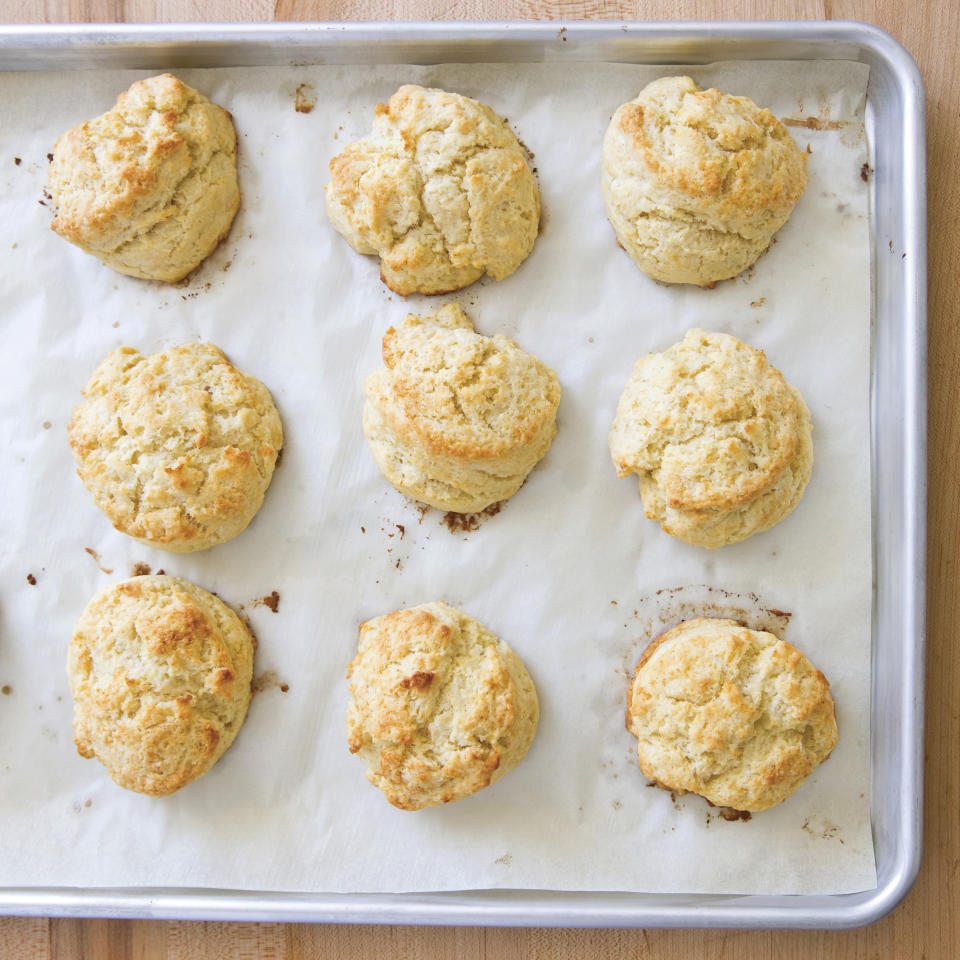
(177, 448)
(732, 714)
(440, 190)
(439, 707)
(720, 441)
(455, 419)
(160, 673)
(149, 187)
(697, 182)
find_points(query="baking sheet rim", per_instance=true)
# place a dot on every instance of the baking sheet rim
(499, 907)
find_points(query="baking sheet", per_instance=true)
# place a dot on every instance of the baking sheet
(558, 573)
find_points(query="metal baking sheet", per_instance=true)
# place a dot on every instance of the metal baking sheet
(895, 128)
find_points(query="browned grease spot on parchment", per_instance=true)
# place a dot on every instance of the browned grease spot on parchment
(96, 556)
(266, 681)
(822, 830)
(747, 607)
(468, 522)
(305, 98)
(670, 606)
(813, 123)
(271, 600)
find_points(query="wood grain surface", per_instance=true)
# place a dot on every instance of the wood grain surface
(927, 924)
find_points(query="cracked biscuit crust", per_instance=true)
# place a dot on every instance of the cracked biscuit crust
(734, 715)
(696, 182)
(455, 419)
(150, 187)
(178, 447)
(440, 190)
(722, 444)
(160, 673)
(439, 707)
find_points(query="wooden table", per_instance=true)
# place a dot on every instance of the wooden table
(927, 924)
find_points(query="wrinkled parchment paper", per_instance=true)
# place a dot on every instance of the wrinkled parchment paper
(569, 572)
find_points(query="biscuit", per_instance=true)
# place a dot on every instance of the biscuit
(178, 447)
(440, 190)
(149, 187)
(439, 707)
(720, 441)
(697, 182)
(160, 673)
(454, 419)
(734, 715)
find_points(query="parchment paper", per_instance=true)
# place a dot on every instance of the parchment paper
(569, 573)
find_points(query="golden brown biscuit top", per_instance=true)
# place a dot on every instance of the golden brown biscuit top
(724, 153)
(160, 673)
(108, 174)
(735, 715)
(413, 654)
(466, 395)
(175, 446)
(709, 419)
(435, 126)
